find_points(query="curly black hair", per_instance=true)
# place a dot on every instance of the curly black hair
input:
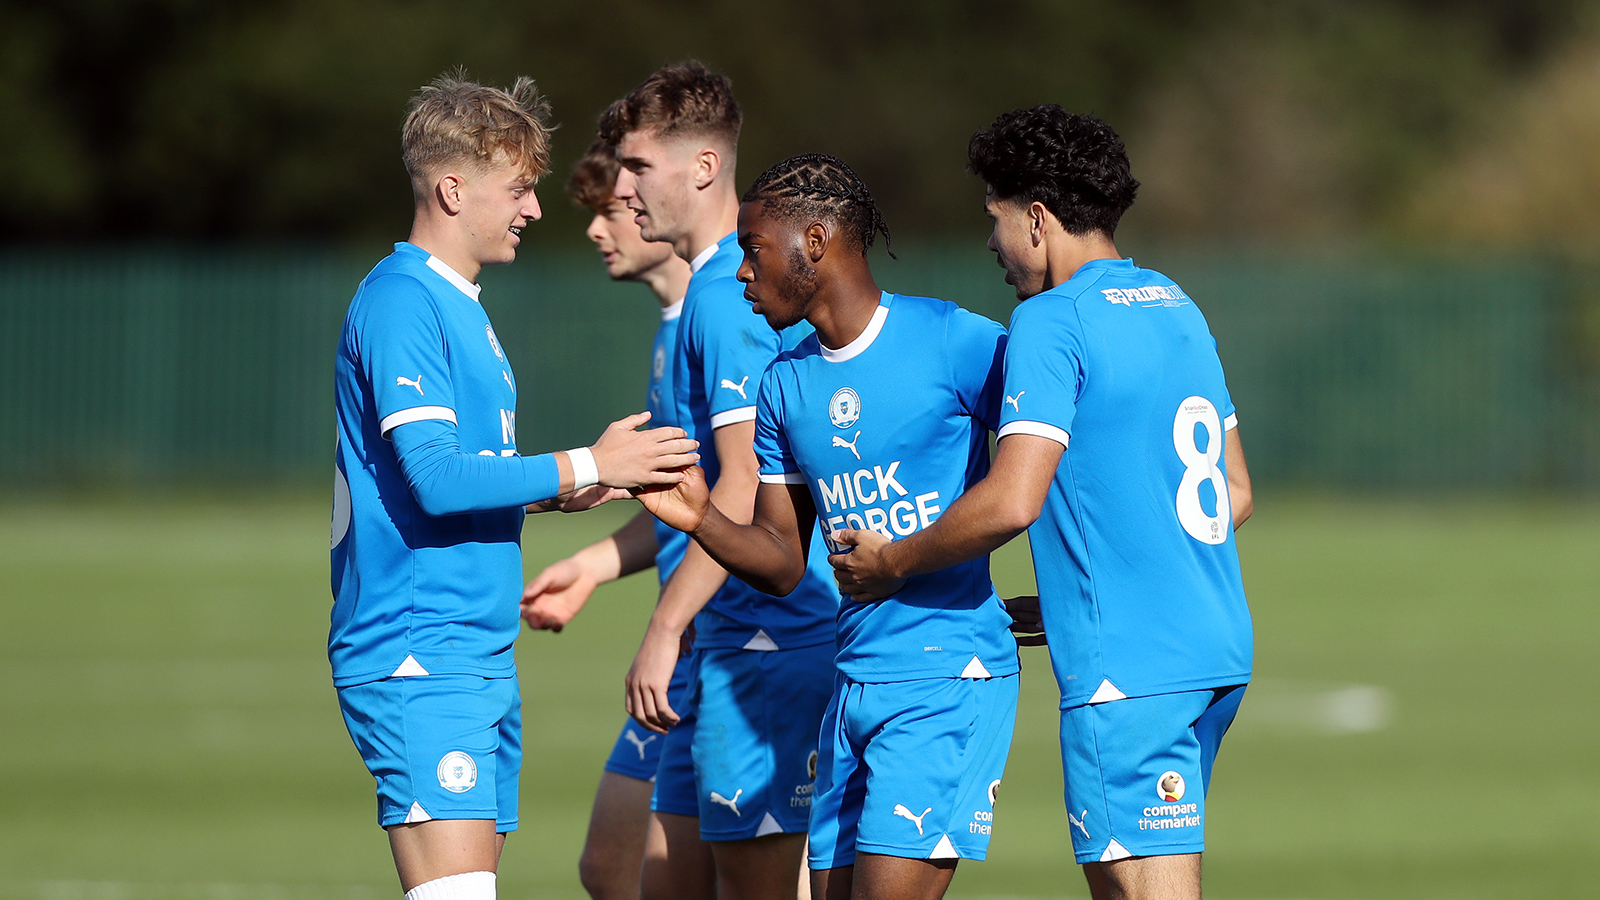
(819, 186)
(1073, 164)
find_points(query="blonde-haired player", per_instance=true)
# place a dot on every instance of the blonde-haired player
(430, 492)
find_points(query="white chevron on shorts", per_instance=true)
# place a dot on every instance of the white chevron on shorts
(944, 849)
(1114, 851)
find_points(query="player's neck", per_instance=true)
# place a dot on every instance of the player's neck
(669, 281)
(1066, 253)
(843, 310)
(447, 243)
(715, 220)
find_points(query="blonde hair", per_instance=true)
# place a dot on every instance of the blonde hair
(453, 121)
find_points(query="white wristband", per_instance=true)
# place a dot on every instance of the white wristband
(584, 471)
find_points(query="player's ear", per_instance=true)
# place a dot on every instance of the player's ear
(448, 192)
(817, 238)
(707, 165)
(1036, 220)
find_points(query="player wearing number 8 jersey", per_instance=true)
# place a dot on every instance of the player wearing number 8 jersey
(1119, 452)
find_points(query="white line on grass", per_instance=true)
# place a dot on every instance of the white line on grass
(64, 889)
(1282, 704)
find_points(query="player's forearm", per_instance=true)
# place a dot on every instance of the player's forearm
(694, 582)
(979, 522)
(751, 552)
(635, 545)
(447, 481)
(1240, 498)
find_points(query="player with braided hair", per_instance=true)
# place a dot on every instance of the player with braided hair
(878, 420)
(816, 184)
(1119, 452)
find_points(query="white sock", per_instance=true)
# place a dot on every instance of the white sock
(466, 886)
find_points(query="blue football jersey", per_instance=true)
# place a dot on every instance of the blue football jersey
(723, 347)
(1137, 567)
(670, 542)
(886, 433)
(415, 593)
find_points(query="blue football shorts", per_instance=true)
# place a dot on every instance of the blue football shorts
(755, 741)
(674, 792)
(440, 746)
(911, 768)
(1136, 772)
(637, 753)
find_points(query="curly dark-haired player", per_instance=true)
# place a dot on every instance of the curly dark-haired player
(1137, 567)
(878, 420)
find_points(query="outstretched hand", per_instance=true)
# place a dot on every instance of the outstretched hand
(683, 505)
(580, 500)
(552, 599)
(627, 458)
(862, 572)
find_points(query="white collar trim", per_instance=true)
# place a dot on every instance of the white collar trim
(668, 313)
(703, 257)
(455, 278)
(863, 340)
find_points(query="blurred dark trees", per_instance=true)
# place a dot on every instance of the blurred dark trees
(1247, 119)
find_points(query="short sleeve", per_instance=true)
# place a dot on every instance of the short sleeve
(1230, 416)
(1043, 368)
(976, 348)
(774, 461)
(734, 346)
(400, 345)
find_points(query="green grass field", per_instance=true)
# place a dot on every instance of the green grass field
(1423, 724)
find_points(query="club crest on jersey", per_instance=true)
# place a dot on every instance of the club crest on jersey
(494, 342)
(457, 772)
(1169, 787)
(658, 365)
(845, 407)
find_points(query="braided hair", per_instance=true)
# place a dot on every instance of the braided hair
(816, 185)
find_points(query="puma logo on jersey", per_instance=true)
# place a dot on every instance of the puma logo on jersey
(402, 380)
(904, 813)
(1079, 822)
(634, 740)
(507, 376)
(848, 445)
(718, 798)
(736, 387)
(1013, 400)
